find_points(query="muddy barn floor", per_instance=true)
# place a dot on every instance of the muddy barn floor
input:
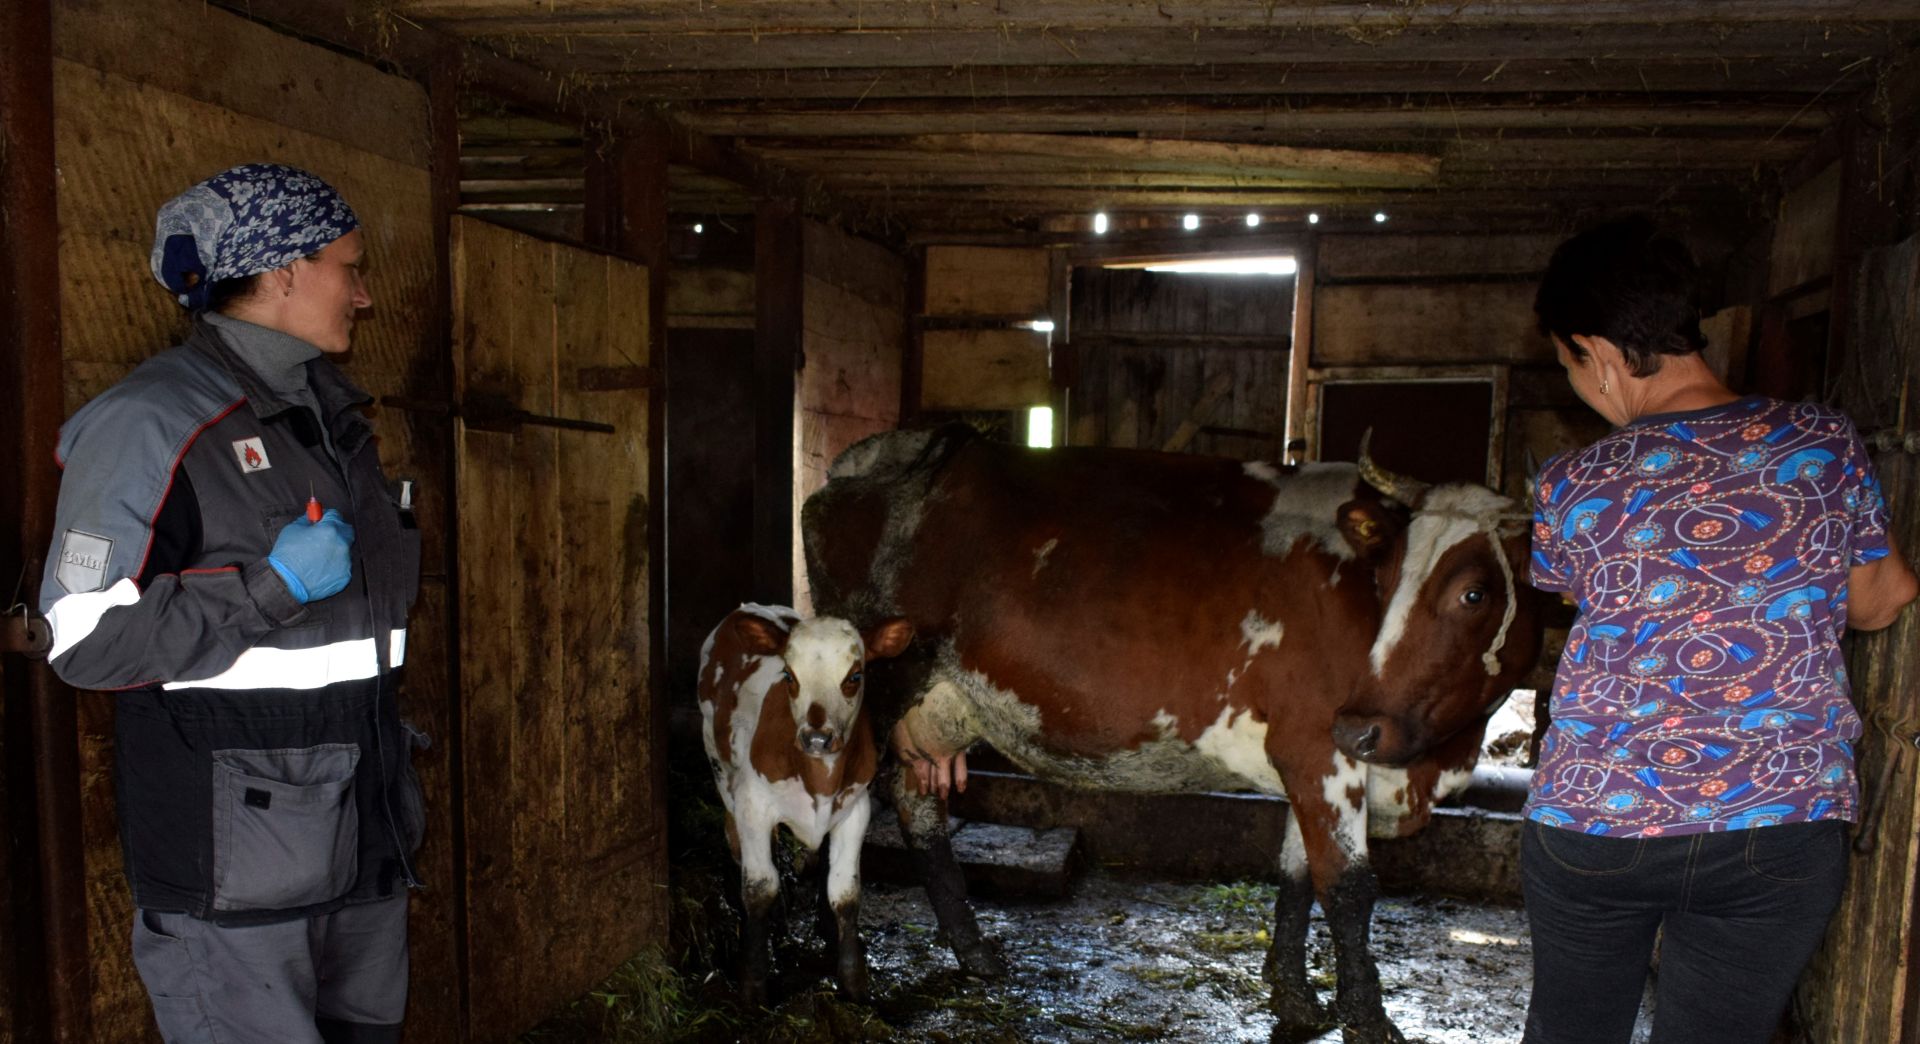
(1125, 960)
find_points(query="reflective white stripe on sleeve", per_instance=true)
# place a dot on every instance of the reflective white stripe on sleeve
(318, 667)
(75, 616)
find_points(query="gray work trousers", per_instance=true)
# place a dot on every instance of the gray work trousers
(331, 979)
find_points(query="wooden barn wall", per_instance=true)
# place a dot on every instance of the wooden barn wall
(150, 98)
(967, 354)
(1861, 226)
(565, 873)
(854, 309)
(1185, 363)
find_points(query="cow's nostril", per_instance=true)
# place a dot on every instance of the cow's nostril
(1368, 742)
(816, 741)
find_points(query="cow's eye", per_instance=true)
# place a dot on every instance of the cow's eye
(853, 679)
(1472, 596)
(786, 678)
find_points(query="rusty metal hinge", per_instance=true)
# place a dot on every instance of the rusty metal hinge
(26, 632)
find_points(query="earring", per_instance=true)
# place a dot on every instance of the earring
(1603, 380)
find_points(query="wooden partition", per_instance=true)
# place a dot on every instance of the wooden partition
(565, 835)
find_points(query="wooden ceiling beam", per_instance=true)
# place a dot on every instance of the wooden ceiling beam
(1347, 16)
(1376, 168)
(1087, 201)
(414, 49)
(1805, 75)
(1182, 118)
(1032, 43)
(957, 181)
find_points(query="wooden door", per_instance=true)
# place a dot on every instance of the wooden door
(565, 829)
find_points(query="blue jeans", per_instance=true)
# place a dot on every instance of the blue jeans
(1738, 916)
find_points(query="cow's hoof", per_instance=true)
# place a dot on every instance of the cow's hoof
(853, 980)
(981, 962)
(1297, 1017)
(1383, 1032)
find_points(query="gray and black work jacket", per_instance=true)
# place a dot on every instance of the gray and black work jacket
(263, 771)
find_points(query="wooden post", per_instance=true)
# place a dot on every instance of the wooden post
(1300, 354)
(777, 249)
(32, 398)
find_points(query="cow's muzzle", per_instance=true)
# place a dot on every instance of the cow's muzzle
(815, 742)
(1377, 739)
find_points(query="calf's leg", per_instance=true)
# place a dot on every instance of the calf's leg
(1298, 1014)
(759, 888)
(843, 895)
(923, 821)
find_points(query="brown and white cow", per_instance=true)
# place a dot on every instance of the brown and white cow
(1128, 620)
(790, 745)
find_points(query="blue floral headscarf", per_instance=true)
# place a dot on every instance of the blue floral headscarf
(254, 218)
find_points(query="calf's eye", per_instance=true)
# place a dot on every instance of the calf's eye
(1472, 596)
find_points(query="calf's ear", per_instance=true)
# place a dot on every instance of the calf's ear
(1367, 527)
(888, 638)
(762, 636)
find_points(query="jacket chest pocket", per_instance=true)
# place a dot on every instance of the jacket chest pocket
(286, 830)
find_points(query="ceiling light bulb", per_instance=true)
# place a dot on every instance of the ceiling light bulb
(1100, 224)
(1190, 222)
(1379, 217)
(1313, 219)
(1253, 221)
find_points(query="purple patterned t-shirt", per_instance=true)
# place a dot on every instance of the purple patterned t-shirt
(1703, 687)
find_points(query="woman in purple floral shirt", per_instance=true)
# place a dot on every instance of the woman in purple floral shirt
(1698, 776)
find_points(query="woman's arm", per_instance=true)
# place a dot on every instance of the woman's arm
(1877, 591)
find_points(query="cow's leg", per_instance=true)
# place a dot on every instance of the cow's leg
(1299, 1016)
(1330, 802)
(843, 895)
(923, 821)
(759, 888)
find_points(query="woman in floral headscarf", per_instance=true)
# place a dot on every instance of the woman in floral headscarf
(230, 561)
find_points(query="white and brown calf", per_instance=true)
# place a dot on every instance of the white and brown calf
(790, 745)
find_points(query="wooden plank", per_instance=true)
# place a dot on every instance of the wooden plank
(1375, 168)
(1805, 73)
(964, 280)
(771, 17)
(1305, 352)
(1426, 324)
(1803, 236)
(1034, 43)
(984, 370)
(187, 47)
(1315, 117)
(1401, 256)
(709, 290)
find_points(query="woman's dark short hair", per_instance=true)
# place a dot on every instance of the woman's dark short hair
(1628, 282)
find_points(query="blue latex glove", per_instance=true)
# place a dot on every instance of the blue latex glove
(312, 557)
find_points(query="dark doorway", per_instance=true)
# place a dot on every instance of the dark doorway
(709, 490)
(1436, 431)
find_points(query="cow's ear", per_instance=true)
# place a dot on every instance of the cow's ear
(762, 636)
(1367, 526)
(888, 638)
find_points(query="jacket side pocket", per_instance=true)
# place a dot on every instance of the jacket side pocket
(286, 831)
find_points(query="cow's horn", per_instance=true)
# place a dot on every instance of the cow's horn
(1408, 491)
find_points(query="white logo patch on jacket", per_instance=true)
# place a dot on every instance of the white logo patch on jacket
(83, 562)
(252, 454)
